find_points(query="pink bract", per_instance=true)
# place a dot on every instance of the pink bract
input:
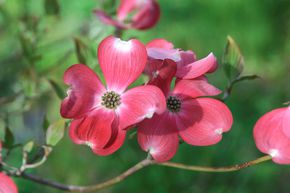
(187, 65)
(198, 121)
(146, 14)
(7, 185)
(101, 114)
(271, 134)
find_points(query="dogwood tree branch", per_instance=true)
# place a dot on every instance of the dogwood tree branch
(217, 169)
(102, 185)
(137, 167)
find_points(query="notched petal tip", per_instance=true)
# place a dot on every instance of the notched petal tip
(122, 62)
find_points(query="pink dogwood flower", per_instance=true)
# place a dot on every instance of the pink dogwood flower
(197, 120)
(187, 65)
(271, 134)
(6, 184)
(101, 114)
(146, 14)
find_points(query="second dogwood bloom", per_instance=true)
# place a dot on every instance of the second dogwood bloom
(198, 121)
(101, 113)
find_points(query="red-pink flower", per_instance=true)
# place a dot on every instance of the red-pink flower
(197, 120)
(187, 65)
(146, 14)
(101, 113)
(271, 134)
(6, 184)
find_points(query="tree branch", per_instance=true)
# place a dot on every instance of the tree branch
(217, 169)
(137, 167)
(71, 188)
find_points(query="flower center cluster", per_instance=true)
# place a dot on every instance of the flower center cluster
(173, 104)
(111, 100)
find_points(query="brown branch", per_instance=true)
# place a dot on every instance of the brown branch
(137, 167)
(72, 188)
(217, 169)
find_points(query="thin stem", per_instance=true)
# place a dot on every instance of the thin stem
(217, 169)
(137, 167)
(71, 188)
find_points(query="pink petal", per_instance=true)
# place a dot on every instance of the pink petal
(160, 43)
(158, 136)
(139, 103)
(197, 68)
(195, 88)
(118, 141)
(84, 93)
(163, 76)
(122, 62)
(147, 16)
(94, 130)
(286, 122)
(162, 54)
(7, 185)
(202, 121)
(187, 57)
(125, 7)
(106, 19)
(270, 138)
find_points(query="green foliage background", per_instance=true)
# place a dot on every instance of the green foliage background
(36, 47)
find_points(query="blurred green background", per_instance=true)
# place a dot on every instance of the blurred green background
(37, 46)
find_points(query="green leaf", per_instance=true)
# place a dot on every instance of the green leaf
(8, 139)
(52, 7)
(81, 51)
(45, 124)
(55, 132)
(28, 146)
(58, 90)
(232, 60)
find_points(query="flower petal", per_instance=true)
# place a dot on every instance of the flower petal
(270, 138)
(117, 143)
(139, 103)
(197, 68)
(195, 88)
(85, 90)
(202, 121)
(125, 7)
(160, 43)
(286, 122)
(122, 62)
(147, 16)
(94, 130)
(187, 57)
(158, 136)
(106, 19)
(6, 184)
(162, 54)
(163, 76)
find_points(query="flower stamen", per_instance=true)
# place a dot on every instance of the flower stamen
(111, 100)
(173, 104)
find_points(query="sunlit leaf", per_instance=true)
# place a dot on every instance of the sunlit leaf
(55, 132)
(233, 60)
(28, 146)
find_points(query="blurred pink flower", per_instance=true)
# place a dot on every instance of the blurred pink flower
(7, 185)
(101, 114)
(271, 134)
(187, 65)
(198, 121)
(146, 14)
